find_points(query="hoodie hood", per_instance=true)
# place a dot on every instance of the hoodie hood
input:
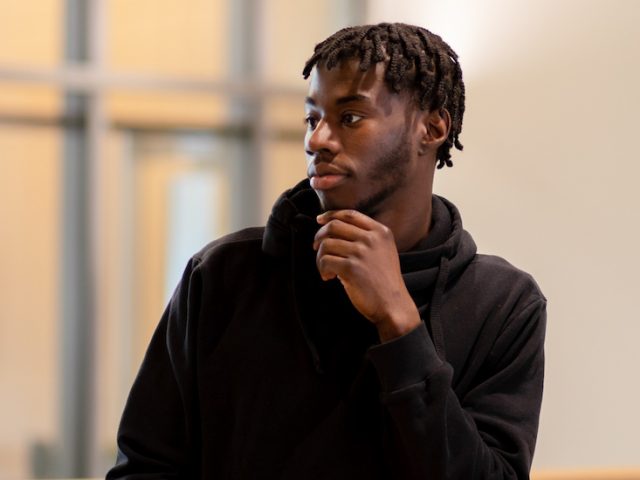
(426, 270)
(294, 211)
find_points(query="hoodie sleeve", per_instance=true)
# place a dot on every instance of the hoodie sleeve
(154, 437)
(488, 431)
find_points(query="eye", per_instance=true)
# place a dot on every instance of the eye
(351, 118)
(311, 122)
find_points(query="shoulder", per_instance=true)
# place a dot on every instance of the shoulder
(227, 255)
(245, 241)
(501, 288)
(219, 267)
(498, 272)
(506, 305)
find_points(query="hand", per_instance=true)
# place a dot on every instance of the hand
(362, 254)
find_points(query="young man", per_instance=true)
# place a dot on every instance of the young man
(358, 335)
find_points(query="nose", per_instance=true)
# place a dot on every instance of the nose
(321, 140)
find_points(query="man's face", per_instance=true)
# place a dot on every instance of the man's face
(359, 139)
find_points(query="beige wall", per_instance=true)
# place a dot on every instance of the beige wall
(549, 179)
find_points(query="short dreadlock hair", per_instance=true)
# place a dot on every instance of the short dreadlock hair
(414, 57)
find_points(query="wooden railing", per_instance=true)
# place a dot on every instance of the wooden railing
(590, 474)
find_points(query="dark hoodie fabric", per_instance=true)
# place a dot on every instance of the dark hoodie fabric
(260, 370)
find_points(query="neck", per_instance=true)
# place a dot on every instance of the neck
(410, 226)
(409, 213)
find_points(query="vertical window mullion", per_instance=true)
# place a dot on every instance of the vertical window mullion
(78, 319)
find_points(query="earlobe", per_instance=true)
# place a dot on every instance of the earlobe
(422, 149)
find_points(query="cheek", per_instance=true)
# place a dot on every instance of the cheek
(366, 140)
(384, 140)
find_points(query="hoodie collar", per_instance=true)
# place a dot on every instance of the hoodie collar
(294, 212)
(446, 239)
(426, 270)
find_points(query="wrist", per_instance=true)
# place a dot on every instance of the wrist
(398, 325)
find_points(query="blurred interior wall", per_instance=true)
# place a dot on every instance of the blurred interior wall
(548, 179)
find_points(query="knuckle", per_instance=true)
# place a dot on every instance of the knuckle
(328, 246)
(349, 266)
(369, 239)
(321, 262)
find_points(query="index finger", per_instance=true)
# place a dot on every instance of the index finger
(350, 216)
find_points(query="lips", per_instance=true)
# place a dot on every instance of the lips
(326, 182)
(325, 176)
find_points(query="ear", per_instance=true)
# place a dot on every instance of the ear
(435, 129)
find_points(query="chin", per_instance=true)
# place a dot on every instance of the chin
(329, 203)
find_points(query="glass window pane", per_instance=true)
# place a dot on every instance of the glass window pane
(182, 200)
(25, 100)
(286, 113)
(286, 167)
(29, 294)
(112, 294)
(167, 109)
(169, 37)
(32, 33)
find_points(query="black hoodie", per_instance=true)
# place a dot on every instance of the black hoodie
(259, 369)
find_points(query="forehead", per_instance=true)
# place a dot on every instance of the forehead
(347, 79)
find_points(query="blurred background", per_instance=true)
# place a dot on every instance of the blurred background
(132, 132)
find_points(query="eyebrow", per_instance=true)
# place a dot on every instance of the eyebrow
(352, 98)
(342, 100)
